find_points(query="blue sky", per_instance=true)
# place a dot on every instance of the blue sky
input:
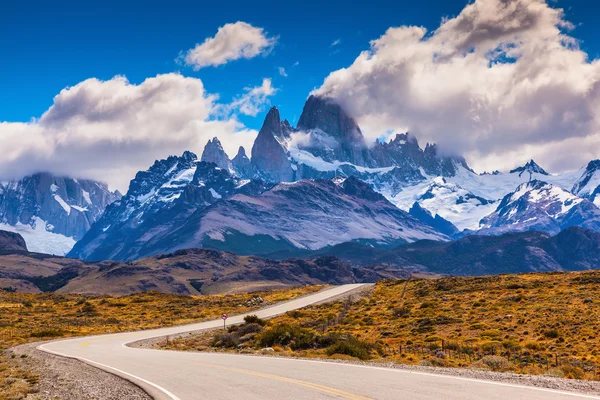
(527, 84)
(46, 47)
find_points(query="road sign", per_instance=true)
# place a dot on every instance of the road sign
(224, 317)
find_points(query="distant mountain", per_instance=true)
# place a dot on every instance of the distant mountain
(540, 206)
(573, 249)
(530, 168)
(52, 212)
(588, 185)
(191, 271)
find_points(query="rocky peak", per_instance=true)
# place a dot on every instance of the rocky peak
(241, 155)
(327, 115)
(588, 184)
(286, 129)
(268, 153)
(159, 173)
(213, 152)
(242, 164)
(530, 168)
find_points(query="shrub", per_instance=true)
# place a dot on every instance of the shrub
(535, 346)
(286, 335)
(88, 308)
(351, 347)
(47, 333)
(249, 328)
(551, 334)
(253, 319)
(401, 312)
(495, 363)
(228, 340)
(571, 372)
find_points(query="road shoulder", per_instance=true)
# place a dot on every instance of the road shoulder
(69, 379)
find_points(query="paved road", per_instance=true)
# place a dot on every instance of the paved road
(174, 375)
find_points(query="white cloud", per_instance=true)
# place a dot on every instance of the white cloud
(336, 42)
(500, 83)
(109, 130)
(254, 100)
(282, 72)
(232, 42)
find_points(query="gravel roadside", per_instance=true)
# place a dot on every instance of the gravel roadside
(69, 379)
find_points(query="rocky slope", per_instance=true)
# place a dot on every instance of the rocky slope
(191, 271)
(159, 201)
(52, 212)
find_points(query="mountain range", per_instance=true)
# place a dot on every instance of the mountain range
(320, 184)
(304, 188)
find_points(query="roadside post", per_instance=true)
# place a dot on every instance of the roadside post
(224, 317)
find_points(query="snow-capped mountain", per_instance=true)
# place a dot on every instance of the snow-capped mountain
(50, 212)
(588, 185)
(158, 201)
(307, 214)
(328, 143)
(301, 190)
(529, 169)
(541, 206)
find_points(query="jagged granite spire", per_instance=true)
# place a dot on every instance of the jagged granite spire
(268, 153)
(242, 164)
(213, 152)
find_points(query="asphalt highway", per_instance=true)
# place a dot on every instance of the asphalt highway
(172, 375)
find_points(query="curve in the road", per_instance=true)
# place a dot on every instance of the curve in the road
(172, 375)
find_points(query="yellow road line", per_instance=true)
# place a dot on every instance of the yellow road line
(321, 388)
(85, 344)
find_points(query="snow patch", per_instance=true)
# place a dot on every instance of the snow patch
(63, 203)
(39, 239)
(214, 193)
(86, 197)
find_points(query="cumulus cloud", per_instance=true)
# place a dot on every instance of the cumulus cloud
(109, 130)
(232, 42)
(282, 72)
(254, 100)
(501, 82)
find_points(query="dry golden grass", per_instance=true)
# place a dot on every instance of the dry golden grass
(28, 317)
(532, 323)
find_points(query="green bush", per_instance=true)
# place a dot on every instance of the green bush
(551, 334)
(351, 347)
(47, 333)
(228, 340)
(286, 335)
(253, 319)
(246, 329)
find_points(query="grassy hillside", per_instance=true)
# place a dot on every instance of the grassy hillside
(532, 323)
(28, 317)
